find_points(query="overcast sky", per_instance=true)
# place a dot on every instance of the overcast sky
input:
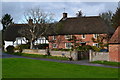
(17, 9)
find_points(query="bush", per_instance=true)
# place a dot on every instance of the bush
(41, 46)
(84, 48)
(55, 49)
(22, 46)
(10, 49)
(95, 48)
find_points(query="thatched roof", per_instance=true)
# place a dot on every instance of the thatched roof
(85, 25)
(74, 25)
(12, 31)
(116, 36)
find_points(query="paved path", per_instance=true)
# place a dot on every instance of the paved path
(82, 62)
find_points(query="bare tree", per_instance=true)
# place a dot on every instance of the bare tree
(38, 24)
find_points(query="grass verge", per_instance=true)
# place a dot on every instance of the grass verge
(107, 63)
(29, 68)
(40, 56)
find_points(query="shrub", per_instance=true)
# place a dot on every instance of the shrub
(84, 48)
(55, 49)
(41, 46)
(22, 46)
(95, 48)
(10, 49)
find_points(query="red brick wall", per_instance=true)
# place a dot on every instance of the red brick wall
(60, 40)
(114, 52)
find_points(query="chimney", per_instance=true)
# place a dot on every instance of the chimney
(30, 21)
(64, 15)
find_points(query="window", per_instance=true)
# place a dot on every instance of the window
(83, 36)
(54, 37)
(96, 44)
(68, 36)
(68, 45)
(54, 46)
(95, 35)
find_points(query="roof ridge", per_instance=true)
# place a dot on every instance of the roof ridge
(84, 17)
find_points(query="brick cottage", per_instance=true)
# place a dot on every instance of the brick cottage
(82, 28)
(114, 46)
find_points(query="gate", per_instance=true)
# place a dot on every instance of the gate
(82, 55)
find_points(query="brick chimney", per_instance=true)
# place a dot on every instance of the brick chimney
(30, 21)
(64, 15)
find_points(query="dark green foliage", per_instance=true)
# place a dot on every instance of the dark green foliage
(84, 48)
(95, 48)
(41, 46)
(107, 16)
(24, 46)
(79, 14)
(116, 18)
(6, 21)
(10, 49)
(61, 49)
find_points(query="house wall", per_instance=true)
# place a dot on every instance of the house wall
(60, 40)
(114, 52)
(22, 40)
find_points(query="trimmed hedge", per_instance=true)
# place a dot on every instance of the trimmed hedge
(41, 46)
(10, 49)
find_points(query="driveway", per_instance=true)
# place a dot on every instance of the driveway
(82, 62)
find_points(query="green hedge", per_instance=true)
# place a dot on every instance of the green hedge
(61, 49)
(10, 49)
(84, 48)
(41, 46)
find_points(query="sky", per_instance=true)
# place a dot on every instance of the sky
(17, 9)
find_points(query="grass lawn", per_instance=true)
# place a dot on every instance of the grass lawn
(29, 68)
(107, 63)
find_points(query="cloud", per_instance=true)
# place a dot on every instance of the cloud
(17, 9)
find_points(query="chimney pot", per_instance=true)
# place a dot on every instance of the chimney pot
(30, 21)
(64, 15)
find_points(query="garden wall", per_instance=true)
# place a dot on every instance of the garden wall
(43, 52)
(95, 56)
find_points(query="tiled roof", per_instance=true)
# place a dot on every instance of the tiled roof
(116, 36)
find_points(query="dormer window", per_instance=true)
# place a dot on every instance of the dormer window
(68, 36)
(54, 37)
(83, 36)
(95, 35)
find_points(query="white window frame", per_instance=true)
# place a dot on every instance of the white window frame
(66, 36)
(54, 46)
(84, 36)
(95, 44)
(54, 37)
(95, 35)
(68, 47)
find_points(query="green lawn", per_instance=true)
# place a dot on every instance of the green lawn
(28, 68)
(107, 63)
